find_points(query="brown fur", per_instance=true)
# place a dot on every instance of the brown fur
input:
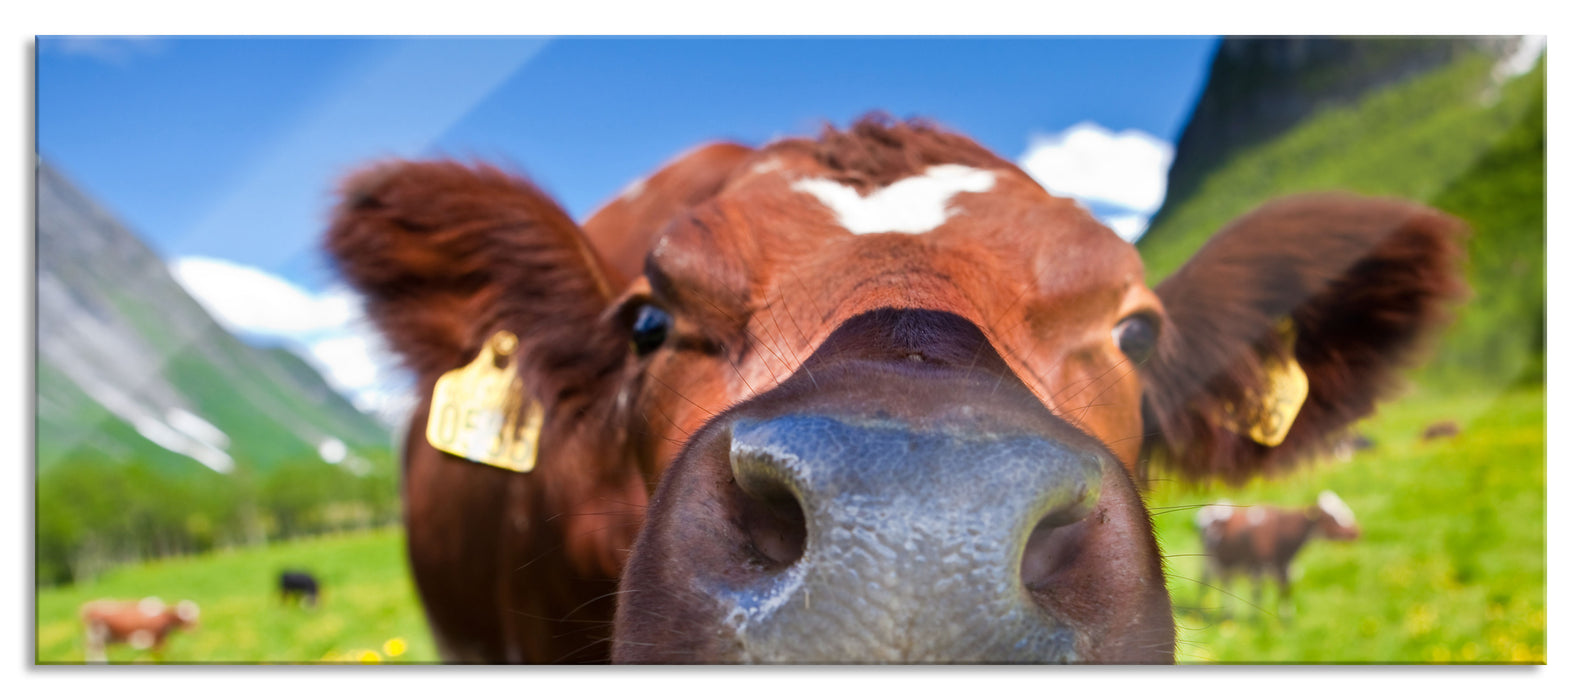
(759, 278)
(878, 151)
(624, 230)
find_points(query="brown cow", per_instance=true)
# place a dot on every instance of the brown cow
(1262, 540)
(871, 397)
(142, 624)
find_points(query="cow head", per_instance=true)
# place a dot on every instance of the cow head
(884, 398)
(1334, 518)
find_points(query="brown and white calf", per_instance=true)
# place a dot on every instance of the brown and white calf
(1258, 541)
(142, 624)
(871, 397)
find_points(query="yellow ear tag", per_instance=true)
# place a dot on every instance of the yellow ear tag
(476, 407)
(1284, 392)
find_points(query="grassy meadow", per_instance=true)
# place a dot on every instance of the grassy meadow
(368, 611)
(1449, 568)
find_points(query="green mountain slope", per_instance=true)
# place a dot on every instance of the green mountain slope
(1453, 137)
(159, 433)
(131, 369)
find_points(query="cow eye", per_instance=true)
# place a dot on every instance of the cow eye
(650, 329)
(1136, 336)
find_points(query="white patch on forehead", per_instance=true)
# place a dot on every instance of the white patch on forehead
(1336, 508)
(918, 204)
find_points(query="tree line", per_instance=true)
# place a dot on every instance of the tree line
(92, 515)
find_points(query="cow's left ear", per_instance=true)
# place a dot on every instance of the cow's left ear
(446, 255)
(1291, 323)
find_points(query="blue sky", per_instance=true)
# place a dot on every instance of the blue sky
(222, 153)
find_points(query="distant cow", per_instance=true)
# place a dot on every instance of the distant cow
(142, 624)
(875, 396)
(1262, 540)
(1441, 429)
(1348, 446)
(299, 586)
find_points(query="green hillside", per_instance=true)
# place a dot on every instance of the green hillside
(1449, 138)
(131, 368)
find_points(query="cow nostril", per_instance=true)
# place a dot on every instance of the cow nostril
(1054, 544)
(772, 518)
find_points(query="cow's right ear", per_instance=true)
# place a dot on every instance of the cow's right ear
(1289, 324)
(447, 254)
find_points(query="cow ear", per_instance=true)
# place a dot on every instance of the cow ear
(446, 254)
(1332, 291)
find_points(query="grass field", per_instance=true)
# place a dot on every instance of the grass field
(368, 612)
(1449, 568)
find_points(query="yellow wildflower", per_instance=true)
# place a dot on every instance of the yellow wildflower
(395, 647)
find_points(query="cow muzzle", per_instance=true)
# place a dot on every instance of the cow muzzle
(913, 546)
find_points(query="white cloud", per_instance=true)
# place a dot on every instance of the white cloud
(248, 299)
(352, 361)
(1097, 166)
(1127, 226)
(327, 329)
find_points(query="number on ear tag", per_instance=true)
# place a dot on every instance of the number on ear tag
(1267, 417)
(475, 410)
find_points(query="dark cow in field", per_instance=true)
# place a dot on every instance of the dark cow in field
(1258, 541)
(1348, 446)
(142, 624)
(871, 397)
(299, 586)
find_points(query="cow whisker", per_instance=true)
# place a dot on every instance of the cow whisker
(662, 383)
(546, 618)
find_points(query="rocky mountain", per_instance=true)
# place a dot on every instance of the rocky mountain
(131, 368)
